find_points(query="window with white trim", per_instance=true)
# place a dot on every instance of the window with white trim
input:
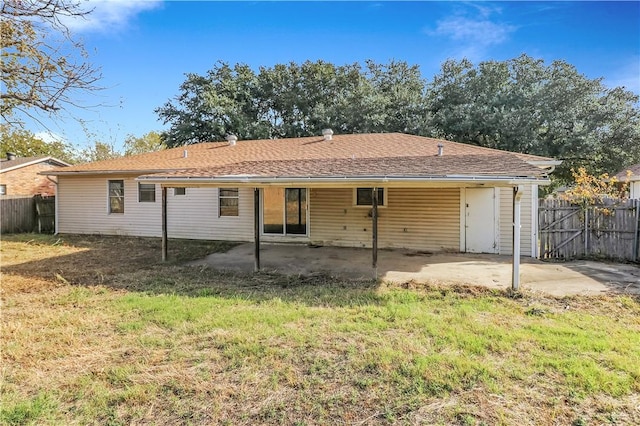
(364, 197)
(3, 189)
(179, 191)
(116, 196)
(228, 202)
(146, 192)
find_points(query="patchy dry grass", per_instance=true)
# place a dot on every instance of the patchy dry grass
(96, 331)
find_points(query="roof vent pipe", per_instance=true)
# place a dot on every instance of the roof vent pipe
(232, 139)
(328, 134)
(440, 149)
(11, 156)
(185, 154)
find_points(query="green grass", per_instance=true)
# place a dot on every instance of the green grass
(160, 344)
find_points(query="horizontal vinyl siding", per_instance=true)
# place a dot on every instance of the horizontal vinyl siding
(506, 221)
(195, 215)
(421, 219)
(83, 209)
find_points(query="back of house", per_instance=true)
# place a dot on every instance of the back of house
(432, 195)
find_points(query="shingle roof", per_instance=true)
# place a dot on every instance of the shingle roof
(6, 165)
(635, 173)
(479, 165)
(387, 153)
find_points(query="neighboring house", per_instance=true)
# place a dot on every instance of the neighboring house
(26, 175)
(434, 195)
(634, 180)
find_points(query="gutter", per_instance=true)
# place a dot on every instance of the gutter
(306, 180)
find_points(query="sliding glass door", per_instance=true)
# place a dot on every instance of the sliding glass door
(296, 211)
(284, 211)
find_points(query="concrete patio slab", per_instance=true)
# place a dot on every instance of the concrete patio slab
(399, 266)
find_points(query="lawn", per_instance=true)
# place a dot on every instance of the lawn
(95, 330)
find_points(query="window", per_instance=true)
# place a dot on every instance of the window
(364, 197)
(146, 192)
(116, 196)
(228, 201)
(3, 189)
(179, 191)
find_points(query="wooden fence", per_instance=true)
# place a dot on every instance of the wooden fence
(27, 214)
(608, 230)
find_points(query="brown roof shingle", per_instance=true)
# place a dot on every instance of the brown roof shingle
(381, 153)
(23, 161)
(635, 173)
(480, 165)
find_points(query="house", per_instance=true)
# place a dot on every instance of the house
(634, 180)
(22, 175)
(388, 190)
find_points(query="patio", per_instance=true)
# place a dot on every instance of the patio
(399, 266)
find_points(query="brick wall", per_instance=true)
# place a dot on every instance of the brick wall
(27, 181)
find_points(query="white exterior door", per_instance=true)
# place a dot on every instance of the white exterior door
(480, 220)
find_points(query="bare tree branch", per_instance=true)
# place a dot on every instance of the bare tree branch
(40, 72)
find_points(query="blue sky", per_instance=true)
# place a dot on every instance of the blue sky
(145, 48)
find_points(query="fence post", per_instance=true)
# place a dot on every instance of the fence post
(586, 231)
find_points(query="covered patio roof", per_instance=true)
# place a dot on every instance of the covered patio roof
(506, 169)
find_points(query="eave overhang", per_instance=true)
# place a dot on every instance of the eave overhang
(342, 181)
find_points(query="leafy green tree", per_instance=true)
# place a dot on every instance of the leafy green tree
(149, 142)
(524, 105)
(99, 151)
(399, 96)
(292, 100)
(521, 105)
(211, 106)
(23, 143)
(42, 67)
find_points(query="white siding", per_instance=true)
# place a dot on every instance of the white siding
(528, 224)
(634, 190)
(422, 219)
(195, 215)
(414, 218)
(83, 209)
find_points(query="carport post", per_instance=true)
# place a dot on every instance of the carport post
(517, 197)
(374, 231)
(164, 224)
(256, 228)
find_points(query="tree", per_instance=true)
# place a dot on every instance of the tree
(149, 142)
(42, 67)
(521, 105)
(211, 106)
(292, 100)
(100, 151)
(25, 144)
(524, 105)
(588, 189)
